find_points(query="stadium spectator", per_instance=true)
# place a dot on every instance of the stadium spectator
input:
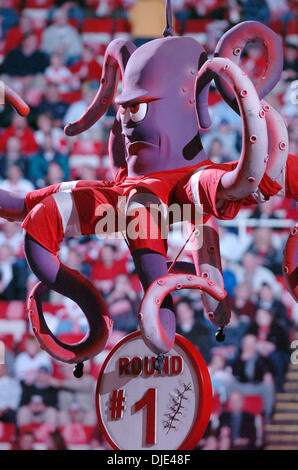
(105, 8)
(227, 136)
(86, 172)
(27, 60)
(8, 19)
(273, 343)
(55, 441)
(59, 74)
(256, 10)
(11, 235)
(238, 424)
(39, 400)
(36, 412)
(221, 376)
(264, 248)
(6, 273)
(15, 181)
(75, 396)
(230, 247)
(14, 268)
(97, 441)
(290, 67)
(221, 111)
(53, 105)
(210, 443)
(229, 277)
(215, 151)
(254, 373)
(234, 332)
(208, 8)
(88, 68)
(254, 61)
(266, 210)
(224, 442)
(241, 304)
(46, 127)
(280, 10)
(256, 274)
(25, 441)
(10, 393)
(105, 267)
(123, 304)
(39, 163)
(194, 327)
(63, 38)
(182, 13)
(75, 10)
(54, 174)
(20, 129)
(267, 301)
(29, 361)
(77, 108)
(11, 156)
(15, 35)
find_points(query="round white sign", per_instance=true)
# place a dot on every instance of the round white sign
(139, 407)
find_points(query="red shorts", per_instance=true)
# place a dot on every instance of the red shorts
(78, 207)
(81, 204)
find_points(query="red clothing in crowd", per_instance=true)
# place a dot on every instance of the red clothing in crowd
(14, 38)
(87, 70)
(26, 136)
(100, 272)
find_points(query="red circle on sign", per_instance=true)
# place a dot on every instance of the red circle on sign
(204, 384)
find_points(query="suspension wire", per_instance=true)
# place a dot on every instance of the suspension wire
(182, 249)
(169, 31)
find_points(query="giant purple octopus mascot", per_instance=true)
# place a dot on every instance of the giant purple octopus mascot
(157, 160)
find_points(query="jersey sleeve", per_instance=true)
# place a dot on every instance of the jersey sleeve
(204, 189)
(35, 197)
(291, 177)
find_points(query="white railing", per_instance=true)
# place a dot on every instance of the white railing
(243, 223)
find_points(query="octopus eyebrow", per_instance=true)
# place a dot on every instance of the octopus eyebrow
(133, 102)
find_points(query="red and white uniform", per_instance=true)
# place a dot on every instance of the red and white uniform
(74, 208)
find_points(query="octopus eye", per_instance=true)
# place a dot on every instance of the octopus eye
(124, 114)
(138, 112)
(135, 108)
(122, 110)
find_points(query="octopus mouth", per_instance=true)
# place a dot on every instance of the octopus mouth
(134, 147)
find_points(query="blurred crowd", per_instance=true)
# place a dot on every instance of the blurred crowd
(52, 54)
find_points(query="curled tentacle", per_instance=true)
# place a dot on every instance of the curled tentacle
(91, 345)
(116, 57)
(278, 146)
(290, 263)
(181, 267)
(16, 101)
(231, 46)
(245, 178)
(278, 142)
(208, 266)
(117, 151)
(151, 327)
(73, 285)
